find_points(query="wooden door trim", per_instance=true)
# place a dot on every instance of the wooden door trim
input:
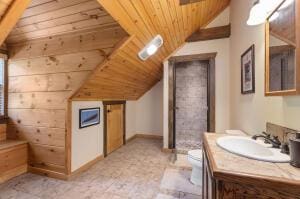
(105, 104)
(211, 89)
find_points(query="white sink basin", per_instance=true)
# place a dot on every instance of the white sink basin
(247, 147)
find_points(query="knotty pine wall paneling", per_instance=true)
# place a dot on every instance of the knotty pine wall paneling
(43, 74)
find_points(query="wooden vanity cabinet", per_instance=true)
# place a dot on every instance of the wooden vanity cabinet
(208, 182)
(235, 186)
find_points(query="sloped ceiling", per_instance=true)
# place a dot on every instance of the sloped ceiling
(123, 75)
(4, 4)
(48, 18)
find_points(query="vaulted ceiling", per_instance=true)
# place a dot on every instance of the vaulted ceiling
(48, 18)
(4, 4)
(122, 75)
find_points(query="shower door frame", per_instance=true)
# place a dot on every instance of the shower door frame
(211, 88)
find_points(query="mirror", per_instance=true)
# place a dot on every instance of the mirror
(281, 49)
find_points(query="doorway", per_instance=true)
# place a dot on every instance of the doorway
(191, 100)
(114, 126)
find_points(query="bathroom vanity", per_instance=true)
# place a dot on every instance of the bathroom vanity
(226, 175)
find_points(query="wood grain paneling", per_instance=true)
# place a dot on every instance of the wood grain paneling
(210, 34)
(38, 135)
(10, 16)
(96, 39)
(47, 19)
(13, 159)
(43, 155)
(3, 132)
(4, 4)
(43, 74)
(143, 20)
(38, 100)
(38, 117)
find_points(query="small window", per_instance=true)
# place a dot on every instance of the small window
(3, 90)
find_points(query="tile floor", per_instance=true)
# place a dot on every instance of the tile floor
(134, 171)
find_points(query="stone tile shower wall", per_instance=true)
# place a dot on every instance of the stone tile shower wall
(191, 104)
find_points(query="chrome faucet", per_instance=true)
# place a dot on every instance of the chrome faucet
(268, 139)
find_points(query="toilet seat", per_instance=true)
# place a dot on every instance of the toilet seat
(195, 154)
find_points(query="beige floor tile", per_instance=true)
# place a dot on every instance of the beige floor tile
(179, 180)
(134, 171)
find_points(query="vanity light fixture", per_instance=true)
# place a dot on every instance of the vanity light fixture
(261, 10)
(151, 48)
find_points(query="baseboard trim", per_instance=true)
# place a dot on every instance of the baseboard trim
(145, 136)
(131, 138)
(86, 166)
(166, 150)
(48, 173)
(149, 136)
(63, 176)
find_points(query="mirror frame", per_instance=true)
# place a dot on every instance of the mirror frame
(295, 91)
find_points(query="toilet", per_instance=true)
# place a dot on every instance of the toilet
(195, 158)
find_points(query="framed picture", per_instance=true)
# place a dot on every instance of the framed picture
(248, 71)
(89, 117)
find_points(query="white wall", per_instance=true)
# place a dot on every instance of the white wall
(251, 112)
(221, 46)
(145, 116)
(130, 119)
(87, 143)
(149, 112)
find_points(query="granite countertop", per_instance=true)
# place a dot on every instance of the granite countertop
(225, 165)
(10, 143)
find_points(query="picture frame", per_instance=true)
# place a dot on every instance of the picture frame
(248, 71)
(89, 117)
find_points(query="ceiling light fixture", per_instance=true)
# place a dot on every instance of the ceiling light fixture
(261, 10)
(151, 48)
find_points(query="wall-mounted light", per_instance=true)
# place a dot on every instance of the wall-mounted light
(261, 10)
(151, 47)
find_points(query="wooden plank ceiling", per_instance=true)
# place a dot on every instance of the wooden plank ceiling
(124, 75)
(47, 18)
(4, 4)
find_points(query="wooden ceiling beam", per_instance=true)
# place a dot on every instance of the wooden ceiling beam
(11, 17)
(210, 34)
(184, 2)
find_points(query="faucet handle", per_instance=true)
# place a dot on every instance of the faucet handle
(275, 137)
(266, 134)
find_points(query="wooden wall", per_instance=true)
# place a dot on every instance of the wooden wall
(2, 132)
(42, 75)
